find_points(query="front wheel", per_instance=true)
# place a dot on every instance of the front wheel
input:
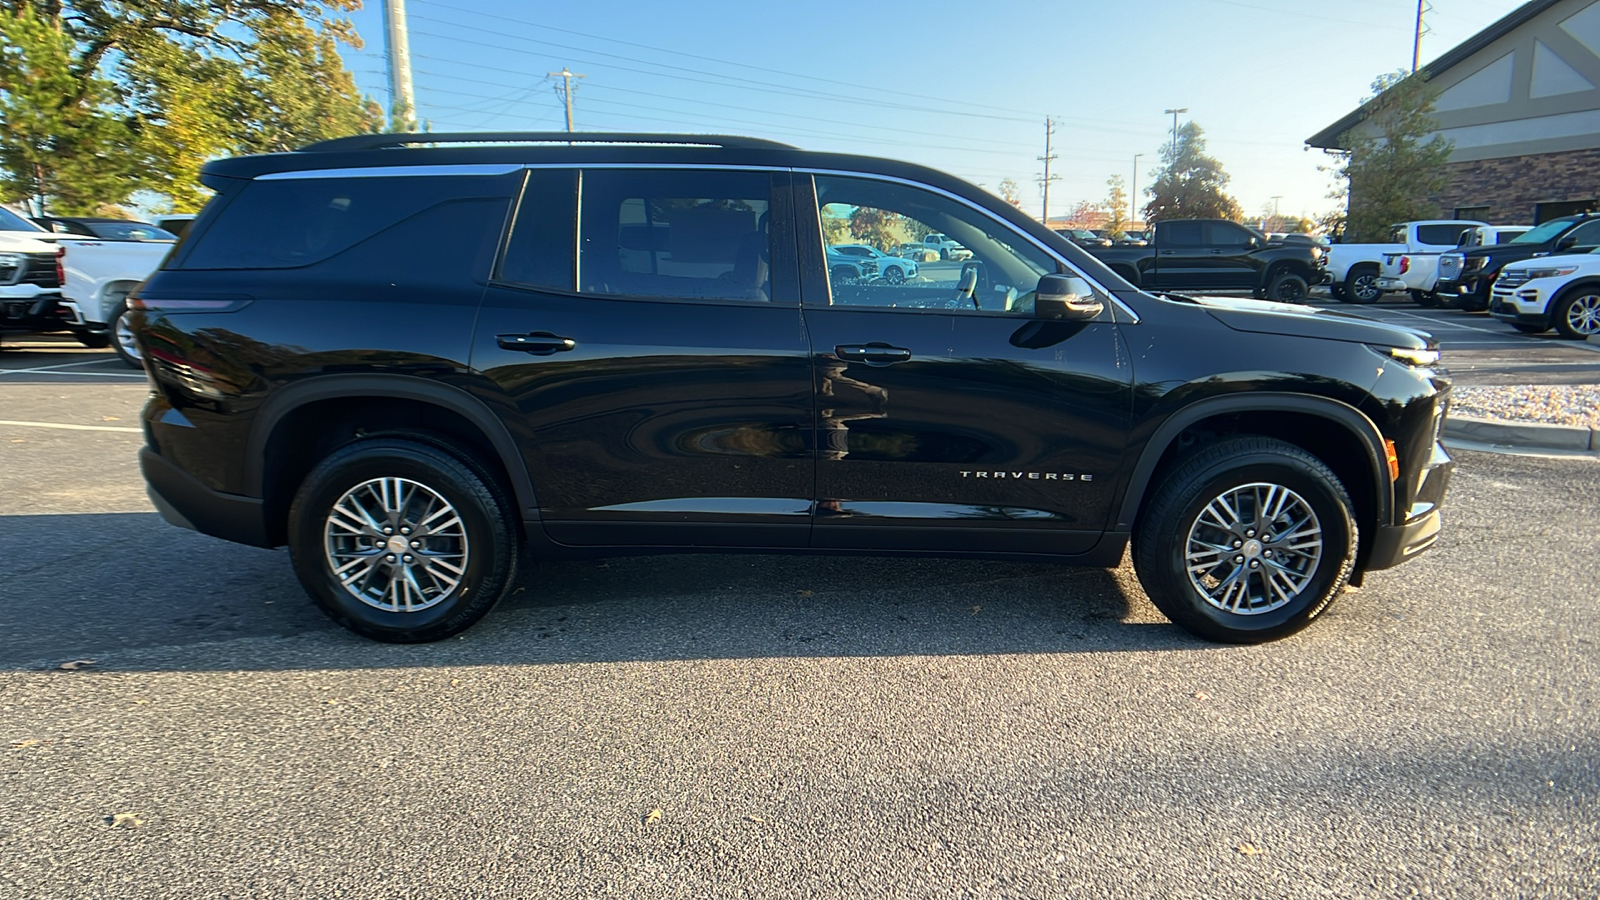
(1288, 288)
(402, 541)
(1247, 541)
(894, 275)
(1577, 315)
(1361, 284)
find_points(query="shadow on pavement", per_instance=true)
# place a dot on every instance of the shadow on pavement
(134, 593)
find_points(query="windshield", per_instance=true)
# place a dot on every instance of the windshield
(1544, 233)
(130, 231)
(10, 221)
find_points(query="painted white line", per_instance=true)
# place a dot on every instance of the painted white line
(81, 362)
(1499, 333)
(73, 427)
(78, 374)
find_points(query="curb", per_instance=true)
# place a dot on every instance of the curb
(1531, 435)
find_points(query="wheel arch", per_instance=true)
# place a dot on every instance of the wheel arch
(1577, 284)
(111, 293)
(1335, 432)
(300, 424)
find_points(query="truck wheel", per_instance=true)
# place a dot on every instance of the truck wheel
(1360, 285)
(1288, 288)
(1247, 541)
(1425, 299)
(94, 340)
(402, 541)
(1337, 293)
(122, 336)
(1577, 315)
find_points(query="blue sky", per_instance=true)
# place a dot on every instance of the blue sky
(964, 87)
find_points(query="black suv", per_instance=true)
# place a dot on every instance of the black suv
(413, 364)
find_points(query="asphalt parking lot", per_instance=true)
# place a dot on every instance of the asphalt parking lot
(177, 720)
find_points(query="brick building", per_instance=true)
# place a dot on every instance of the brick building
(1521, 102)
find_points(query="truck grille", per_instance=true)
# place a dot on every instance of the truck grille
(36, 268)
(1449, 268)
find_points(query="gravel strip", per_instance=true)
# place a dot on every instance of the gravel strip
(1555, 404)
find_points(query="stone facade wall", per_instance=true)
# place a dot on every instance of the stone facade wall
(1511, 187)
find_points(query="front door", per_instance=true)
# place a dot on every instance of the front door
(657, 376)
(947, 415)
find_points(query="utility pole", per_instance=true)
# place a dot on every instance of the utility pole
(565, 90)
(1133, 192)
(1047, 158)
(1174, 114)
(1275, 199)
(401, 98)
(1416, 45)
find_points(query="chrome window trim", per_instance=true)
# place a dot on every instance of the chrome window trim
(979, 208)
(394, 172)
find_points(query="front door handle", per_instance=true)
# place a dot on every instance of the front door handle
(875, 352)
(540, 343)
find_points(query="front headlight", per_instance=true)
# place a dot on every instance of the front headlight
(1474, 263)
(1421, 358)
(1551, 272)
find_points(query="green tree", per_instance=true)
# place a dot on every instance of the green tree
(1191, 185)
(1116, 222)
(189, 80)
(60, 145)
(1394, 167)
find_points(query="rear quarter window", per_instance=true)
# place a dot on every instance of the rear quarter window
(285, 224)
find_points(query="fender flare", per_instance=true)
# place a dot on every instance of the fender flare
(1352, 419)
(402, 387)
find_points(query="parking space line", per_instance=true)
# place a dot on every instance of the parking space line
(67, 427)
(78, 374)
(81, 362)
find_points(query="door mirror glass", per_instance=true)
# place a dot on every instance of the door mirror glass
(1066, 297)
(1567, 243)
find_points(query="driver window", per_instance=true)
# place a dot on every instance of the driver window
(889, 245)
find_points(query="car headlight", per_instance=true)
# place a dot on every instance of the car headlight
(1474, 263)
(1551, 272)
(1421, 358)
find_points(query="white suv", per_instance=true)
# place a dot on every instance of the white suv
(1560, 292)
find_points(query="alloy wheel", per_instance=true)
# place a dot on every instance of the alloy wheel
(396, 545)
(1583, 314)
(1253, 548)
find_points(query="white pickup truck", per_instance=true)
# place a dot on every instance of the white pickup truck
(30, 282)
(97, 277)
(1418, 273)
(1356, 268)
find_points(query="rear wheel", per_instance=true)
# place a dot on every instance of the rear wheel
(1423, 298)
(402, 541)
(1577, 315)
(94, 340)
(1288, 288)
(1361, 284)
(122, 336)
(1247, 541)
(894, 275)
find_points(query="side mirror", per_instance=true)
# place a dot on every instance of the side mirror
(1065, 297)
(1567, 243)
(1253, 242)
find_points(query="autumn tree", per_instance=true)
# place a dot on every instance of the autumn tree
(1116, 199)
(1190, 185)
(166, 85)
(1010, 191)
(1394, 164)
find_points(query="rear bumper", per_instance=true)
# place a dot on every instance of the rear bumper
(187, 503)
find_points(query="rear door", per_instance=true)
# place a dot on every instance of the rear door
(948, 416)
(654, 364)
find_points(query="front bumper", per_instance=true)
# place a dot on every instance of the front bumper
(1395, 544)
(39, 313)
(1525, 305)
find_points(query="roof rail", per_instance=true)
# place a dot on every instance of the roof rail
(391, 141)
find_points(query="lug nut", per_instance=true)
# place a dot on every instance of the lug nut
(1267, 553)
(1238, 559)
(410, 558)
(389, 558)
(1255, 565)
(1238, 544)
(416, 545)
(406, 530)
(1250, 533)
(388, 530)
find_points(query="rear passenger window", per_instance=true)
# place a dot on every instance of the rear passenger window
(700, 235)
(1440, 235)
(543, 241)
(288, 223)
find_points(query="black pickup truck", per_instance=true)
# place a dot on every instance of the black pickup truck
(1218, 255)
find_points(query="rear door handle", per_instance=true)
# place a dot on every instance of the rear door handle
(1167, 253)
(541, 343)
(875, 352)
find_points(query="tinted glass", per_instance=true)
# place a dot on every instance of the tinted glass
(297, 222)
(130, 231)
(1585, 235)
(1001, 275)
(1180, 234)
(1441, 235)
(1224, 234)
(10, 221)
(1544, 232)
(686, 234)
(543, 242)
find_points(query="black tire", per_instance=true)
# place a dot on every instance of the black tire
(122, 336)
(1576, 313)
(94, 340)
(846, 274)
(1425, 299)
(1530, 329)
(487, 537)
(894, 275)
(1337, 292)
(1161, 545)
(1360, 284)
(1288, 287)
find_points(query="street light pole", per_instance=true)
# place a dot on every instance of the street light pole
(1174, 114)
(1133, 192)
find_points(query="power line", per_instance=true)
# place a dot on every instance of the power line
(565, 91)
